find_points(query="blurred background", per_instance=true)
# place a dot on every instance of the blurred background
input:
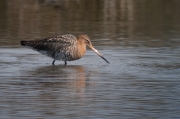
(140, 39)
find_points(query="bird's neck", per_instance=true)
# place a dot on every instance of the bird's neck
(81, 49)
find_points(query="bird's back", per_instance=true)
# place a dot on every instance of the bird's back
(58, 47)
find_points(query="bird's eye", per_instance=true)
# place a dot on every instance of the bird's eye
(87, 41)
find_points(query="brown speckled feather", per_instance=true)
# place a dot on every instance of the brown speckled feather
(58, 47)
(52, 43)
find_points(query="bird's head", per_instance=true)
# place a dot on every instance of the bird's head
(86, 40)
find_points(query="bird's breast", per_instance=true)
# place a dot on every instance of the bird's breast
(81, 50)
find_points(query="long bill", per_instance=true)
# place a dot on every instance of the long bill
(98, 53)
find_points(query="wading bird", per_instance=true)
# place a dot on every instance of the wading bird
(64, 47)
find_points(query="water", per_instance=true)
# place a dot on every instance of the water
(140, 39)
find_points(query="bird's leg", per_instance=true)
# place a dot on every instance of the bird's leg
(65, 63)
(53, 62)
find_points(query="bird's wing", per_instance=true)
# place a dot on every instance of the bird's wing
(52, 44)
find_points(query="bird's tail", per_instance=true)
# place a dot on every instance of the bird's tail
(23, 43)
(31, 44)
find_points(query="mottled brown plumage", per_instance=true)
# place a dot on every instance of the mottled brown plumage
(65, 47)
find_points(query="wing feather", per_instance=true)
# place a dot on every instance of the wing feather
(52, 44)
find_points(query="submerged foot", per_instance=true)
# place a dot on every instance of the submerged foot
(53, 62)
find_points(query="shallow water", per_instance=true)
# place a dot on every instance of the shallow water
(142, 46)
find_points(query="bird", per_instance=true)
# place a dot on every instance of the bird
(62, 47)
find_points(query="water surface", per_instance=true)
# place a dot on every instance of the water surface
(140, 40)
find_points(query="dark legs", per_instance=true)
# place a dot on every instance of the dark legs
(53, 62)
(65, 63)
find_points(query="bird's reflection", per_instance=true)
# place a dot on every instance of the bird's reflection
(58, 86)
(60, 76)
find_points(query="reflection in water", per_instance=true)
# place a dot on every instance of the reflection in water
(49, 90)
(121, 22)
(61, 76)
(56, 84)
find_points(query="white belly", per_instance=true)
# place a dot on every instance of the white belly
(58, 55)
